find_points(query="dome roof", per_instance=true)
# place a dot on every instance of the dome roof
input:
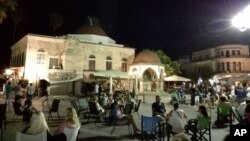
(91, 29)
(148, 57)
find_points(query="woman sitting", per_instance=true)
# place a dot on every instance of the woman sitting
(24, 110)
(71, 122)
(120, 119)
(37, 125)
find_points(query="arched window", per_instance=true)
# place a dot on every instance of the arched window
(91, 62)
(124, 65)
(228, 66)
(239, 66)
(218, 67)
(234, 66)
(222, 66)
(233, 52)
(221, 53)
(238, 52)
(227, 53)
(108, 63)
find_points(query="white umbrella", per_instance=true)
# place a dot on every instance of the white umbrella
(112, 74)
(176, 78)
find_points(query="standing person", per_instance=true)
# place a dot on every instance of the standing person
(193, 91)
(8, 92)
(97, 89)
(158, 108)
(30, 90)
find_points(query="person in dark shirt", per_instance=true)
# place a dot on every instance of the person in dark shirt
(158, 108)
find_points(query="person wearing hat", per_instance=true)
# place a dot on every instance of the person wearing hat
(242, 107)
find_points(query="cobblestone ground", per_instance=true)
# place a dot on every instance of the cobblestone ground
(101, 131)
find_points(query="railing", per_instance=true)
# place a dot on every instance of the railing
(61, 75)
(218, 57)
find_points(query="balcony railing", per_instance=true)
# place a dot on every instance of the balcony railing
(61, 75)
(218, 57)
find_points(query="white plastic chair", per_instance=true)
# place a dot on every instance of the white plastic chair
(71, 133)
(25, 137)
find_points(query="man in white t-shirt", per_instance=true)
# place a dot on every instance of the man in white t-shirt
(242, 107)
(177, 119)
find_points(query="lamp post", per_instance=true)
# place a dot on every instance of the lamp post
(241, 20)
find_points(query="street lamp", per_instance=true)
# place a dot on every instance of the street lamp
(241, 20)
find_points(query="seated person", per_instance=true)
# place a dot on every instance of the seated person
(247, 115)
(158, 108)
(176, 118)
(242, 107)
(200, 123)
(24, 110)
(98, 106)
(120, 119)
(224, 112)
(71, 121)
(37, 125)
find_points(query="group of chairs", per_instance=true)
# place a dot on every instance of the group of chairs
(156, 129)
(70, 133)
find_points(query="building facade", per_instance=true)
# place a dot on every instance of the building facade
(68, 58)
(231, 59)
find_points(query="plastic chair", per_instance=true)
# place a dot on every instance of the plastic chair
(78, 109)
(137, 107)
(93, 112)
(54, 108)
(200, 129)
(16, 111)
(71, 133)
(150, 127)
(25, 137)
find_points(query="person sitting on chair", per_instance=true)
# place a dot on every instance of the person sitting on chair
(158, 108)
(71, 121)
(176, 119)
(37, 125)
(24, 110)
(120, 119)
(224, 111)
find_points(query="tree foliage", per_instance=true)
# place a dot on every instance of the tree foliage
(171, 67)
(56, 21)
(5, 7)
(204, 71)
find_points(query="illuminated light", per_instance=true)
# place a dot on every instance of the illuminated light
(241, 20)
(8, 71)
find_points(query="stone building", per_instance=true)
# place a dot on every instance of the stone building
(225, 60)
(65, 60)
(68, 60)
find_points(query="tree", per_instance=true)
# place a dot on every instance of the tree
(5, 6)
(203, 71)
(17, 19)
(56, 21)
(171, 67)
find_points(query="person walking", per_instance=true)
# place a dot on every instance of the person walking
(8, 93)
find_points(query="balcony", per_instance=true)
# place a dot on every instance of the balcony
(61, 75)
(219, 57)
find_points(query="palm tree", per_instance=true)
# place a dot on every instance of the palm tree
(17, 19)
(6, 5)
(56, 21)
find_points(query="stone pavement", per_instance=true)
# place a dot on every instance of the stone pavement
(101, 131)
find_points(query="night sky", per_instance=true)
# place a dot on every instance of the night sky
(176, 26)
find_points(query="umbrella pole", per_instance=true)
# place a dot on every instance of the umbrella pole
(110, 85)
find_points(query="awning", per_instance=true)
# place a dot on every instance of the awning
(112, 73)
(175, 78)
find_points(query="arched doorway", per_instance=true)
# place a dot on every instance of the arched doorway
(149, 78)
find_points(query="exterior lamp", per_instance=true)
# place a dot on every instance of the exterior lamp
(8, 72)
(241, 20)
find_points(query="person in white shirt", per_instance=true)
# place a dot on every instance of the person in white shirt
(242, 107)
(177, 119)
(30, 90)
(248, 91)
